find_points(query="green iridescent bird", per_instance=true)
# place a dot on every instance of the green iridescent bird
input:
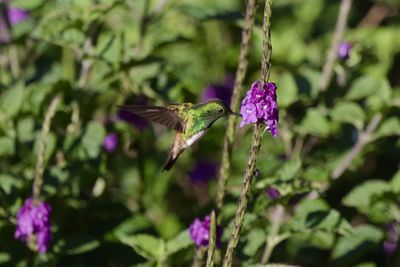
(189, 121)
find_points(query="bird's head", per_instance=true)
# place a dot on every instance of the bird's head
(213, 109)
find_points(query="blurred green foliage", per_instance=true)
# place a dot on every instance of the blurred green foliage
(118, 209)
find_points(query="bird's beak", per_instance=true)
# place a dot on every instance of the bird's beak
(234, 113)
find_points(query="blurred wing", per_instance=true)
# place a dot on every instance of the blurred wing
(167, 116)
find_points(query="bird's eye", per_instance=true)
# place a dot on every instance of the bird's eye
(221, 110)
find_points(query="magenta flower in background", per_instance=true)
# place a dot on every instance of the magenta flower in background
(390, 244)
(344, 50)
(199, 232)
(33, 225)
(110, 142)
(203, 172)
(273, 193)
(15, 15)
(260, 105)
(222, 91)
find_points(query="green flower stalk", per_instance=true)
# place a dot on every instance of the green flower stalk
(38, 180)
(256, 143)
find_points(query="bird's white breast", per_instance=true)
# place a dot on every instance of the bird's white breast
(194, 138)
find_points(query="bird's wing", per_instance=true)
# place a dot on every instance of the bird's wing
(168, 116)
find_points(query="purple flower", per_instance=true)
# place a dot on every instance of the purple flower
(390, 244)
(344, 50)
(389, 247)
(260, 105)
(221, 91)
(15, 15)
(203, 172)
(110, 142)
(199, 232)
(273, 193)
(33, 225)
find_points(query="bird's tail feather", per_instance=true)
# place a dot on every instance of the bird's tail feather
(170, 161)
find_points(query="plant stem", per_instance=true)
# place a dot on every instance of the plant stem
(273, 238)
(38, 180)
(213, 238)
(244, 196)
(198, 258)
(255, 146)
(235, 102)
(364, 138)
(341, 22)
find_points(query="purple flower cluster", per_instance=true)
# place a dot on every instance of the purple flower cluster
(344, 50)
(260, 104)
(15, 15)
(110, 142)
(390, 244)
(199, 232)
(33, 225)
(203, 172)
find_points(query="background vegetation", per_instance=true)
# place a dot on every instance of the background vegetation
(113, 207)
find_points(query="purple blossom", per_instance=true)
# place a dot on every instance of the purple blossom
(273, 193)
(110, 142)
(33, 224)
(15, 15)
(203, 172)
(389, 247)
(222, 91)
(260, 105)
(390, 244)
(199, 232)
(344, 50)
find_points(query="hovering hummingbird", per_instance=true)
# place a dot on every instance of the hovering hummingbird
(189, 121)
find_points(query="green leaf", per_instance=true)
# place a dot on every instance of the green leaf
(287, 90)
(362, 195)
(93, 138)
(349, 112)
(80, 244)
(370, 199)
(132, 225)
(390, 127)
(255, 239)
(395, 182)
(25, 128)
(316, 173)
(315, 123)
(11, 100)
(147, 246)
(4, 257)
(7, 147)
(8, 182)
(353, 243)
(367, 86)
(290, 169)
(181, 241)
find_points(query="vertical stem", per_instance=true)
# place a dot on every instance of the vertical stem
(341, 22)
(38, 180)
(267, 47)
(235, 102)
(244, 196)
(255, 146)
(213, 239)
(198, 258)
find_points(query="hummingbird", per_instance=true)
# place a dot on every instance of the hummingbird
(190, 122)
